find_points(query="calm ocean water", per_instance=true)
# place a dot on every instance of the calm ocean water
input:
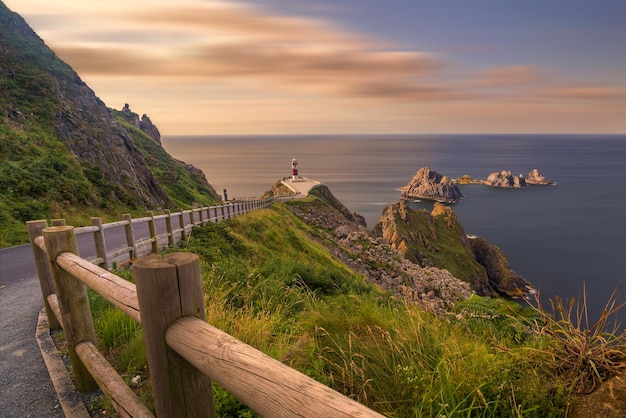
(558, 237)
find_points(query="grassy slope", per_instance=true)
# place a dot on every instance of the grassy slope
(269, 284)
(39, 177)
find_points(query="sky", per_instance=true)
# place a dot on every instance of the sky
(348, 66)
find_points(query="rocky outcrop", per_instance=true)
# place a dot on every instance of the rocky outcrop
(536, 178)
(146, 125)
(323, 192)
(505, 179)
(437, 239)
(499, 273)
(427, 184)
(434, 289)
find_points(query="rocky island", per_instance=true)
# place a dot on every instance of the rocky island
(536, 178)
(427, 184)
(504, 178)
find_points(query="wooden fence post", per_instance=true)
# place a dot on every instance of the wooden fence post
(73, 302)
(153, 234)
(130, 236)
(168, 226)
(169, 288)
(98, 238)
(181, 222)
(191, 219)
(43, 269)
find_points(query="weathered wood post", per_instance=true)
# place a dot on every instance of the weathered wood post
(73, 302)
(130, 236)
(153, 234)
(200, 219)
(191, 219)
(98, 238)
(168, 226)
(181, 222)
(43, 269)
(223, 212)
(169, 288)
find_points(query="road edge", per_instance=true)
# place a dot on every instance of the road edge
(63, 385)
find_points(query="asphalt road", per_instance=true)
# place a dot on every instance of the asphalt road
(25, 386)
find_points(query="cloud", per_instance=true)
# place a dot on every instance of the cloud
(587, 92)
(507, 76)
(218, 41)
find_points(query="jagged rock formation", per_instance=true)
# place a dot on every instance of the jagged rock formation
(427, 184)
(434, 289)
(437, 239)
(499, 273)
(145, 124)
(505, 179)
(323, 192)
(535, 177)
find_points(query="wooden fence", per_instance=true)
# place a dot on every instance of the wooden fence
(185, 353)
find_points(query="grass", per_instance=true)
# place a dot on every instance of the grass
(587, 355)
(487, 358)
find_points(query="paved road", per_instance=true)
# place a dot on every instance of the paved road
(25, 386)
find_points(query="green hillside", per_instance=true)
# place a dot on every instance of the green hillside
(270, 280)
(64, 154)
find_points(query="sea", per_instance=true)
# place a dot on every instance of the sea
(568, 239)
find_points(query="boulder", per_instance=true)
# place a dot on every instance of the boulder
(427, 184)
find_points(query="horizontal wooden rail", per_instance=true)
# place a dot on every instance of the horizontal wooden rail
(121, 293)
(114, 224)
(124, 400)
(266, 385)
(63, 276)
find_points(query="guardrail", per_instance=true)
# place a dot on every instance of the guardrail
(184, 352)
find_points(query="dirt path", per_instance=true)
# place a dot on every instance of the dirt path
(25, 386)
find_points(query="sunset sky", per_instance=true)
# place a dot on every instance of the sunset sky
(348, 66)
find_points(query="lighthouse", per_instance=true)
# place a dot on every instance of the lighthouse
(294, 169)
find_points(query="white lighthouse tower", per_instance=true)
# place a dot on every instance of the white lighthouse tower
(294, 169)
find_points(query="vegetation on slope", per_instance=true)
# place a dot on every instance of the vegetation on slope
(61, 153)
(268, 283)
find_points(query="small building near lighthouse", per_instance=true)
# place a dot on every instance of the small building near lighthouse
(297, 183)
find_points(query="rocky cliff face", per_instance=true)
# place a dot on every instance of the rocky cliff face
(499, 273)
(437, 239)
(427, 184)
(505, 179)
(64, 153)
(434, 289)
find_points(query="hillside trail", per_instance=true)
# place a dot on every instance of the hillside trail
(26, 389)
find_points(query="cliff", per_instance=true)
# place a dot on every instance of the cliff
(427, 184)
(64, 153)
(437, 239)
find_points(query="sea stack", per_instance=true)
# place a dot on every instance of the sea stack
(535, 177)
(427, 184)
(505, 179)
